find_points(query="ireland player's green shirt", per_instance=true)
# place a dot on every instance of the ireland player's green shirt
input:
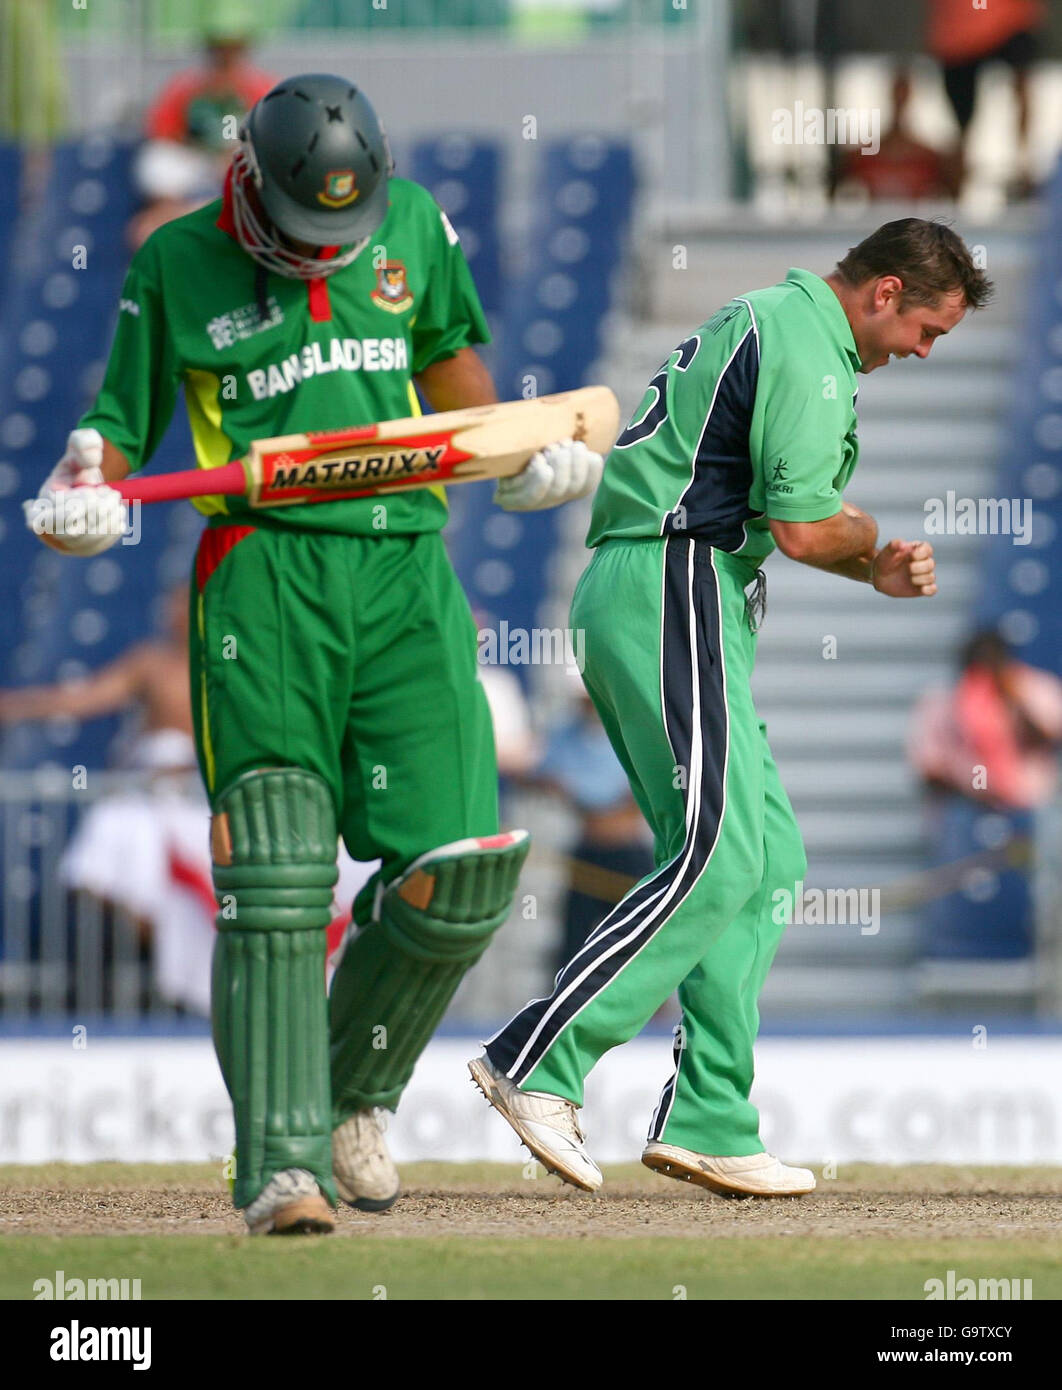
(752, 417)
(326, 354)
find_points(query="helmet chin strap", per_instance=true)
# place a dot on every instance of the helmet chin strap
(260, 240)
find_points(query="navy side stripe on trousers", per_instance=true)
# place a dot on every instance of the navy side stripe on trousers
(695, 715)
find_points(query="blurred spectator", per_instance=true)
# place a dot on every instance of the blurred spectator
(986, 751)
(145, 849)
(191, 131)
(150, 678)
(514, 741)
(1002, 717)
(964, 38)
(612, 850)
(903, 168)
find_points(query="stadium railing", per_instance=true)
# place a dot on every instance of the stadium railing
(66, 955)
(63, 953)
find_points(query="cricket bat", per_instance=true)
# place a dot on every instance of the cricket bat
(454, 446)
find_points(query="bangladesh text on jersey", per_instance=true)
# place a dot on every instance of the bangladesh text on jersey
(291, 357)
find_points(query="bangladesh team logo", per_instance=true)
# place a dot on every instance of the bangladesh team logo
(340, 190)
(392, 290)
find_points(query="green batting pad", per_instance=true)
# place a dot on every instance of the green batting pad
(274, 841)
(275, 867)
(398, 975)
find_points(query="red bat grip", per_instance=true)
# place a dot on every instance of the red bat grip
(230, 481)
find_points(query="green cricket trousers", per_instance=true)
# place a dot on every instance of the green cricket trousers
(670, 642)
(353, 657)
(334, 687)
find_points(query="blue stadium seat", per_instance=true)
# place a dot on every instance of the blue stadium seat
(554, 311)
(550, 341)
(992, 917)
(1020, 582)
(462, 174)
(62, 616)
(10, 177)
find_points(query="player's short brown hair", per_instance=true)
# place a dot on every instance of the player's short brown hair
(928, 257)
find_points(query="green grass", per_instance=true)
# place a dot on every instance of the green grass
(451, 1267)
(889, 1257)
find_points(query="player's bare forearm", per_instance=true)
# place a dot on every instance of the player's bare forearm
(846, 544)
(901, 569)
(458, 382)
(115, 464)
(859, 568)
(843, 544)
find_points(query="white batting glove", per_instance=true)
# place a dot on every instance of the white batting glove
(75, 511)
(558, 473)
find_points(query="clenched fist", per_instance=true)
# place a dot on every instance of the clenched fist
(905, 569)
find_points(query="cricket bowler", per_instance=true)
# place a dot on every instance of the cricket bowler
(332, 651)
(745, 440)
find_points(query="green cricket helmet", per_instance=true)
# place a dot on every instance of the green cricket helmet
(318, 161)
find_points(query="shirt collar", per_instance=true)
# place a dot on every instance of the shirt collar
(824, 298)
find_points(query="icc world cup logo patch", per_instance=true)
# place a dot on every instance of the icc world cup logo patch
(392, 291)
(340, 190)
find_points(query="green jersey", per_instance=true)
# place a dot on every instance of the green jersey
(260, 356)
(751, 418)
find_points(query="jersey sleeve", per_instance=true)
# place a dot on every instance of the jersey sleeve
(799, 449)
(136, 401)
(450, 316)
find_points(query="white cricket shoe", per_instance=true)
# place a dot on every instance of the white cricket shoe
(755, 1175)
(365, 1175)
(548, 1125)
(290, 1204)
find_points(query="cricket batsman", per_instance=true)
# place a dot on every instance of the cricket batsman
(332, 653)
(745, 440)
